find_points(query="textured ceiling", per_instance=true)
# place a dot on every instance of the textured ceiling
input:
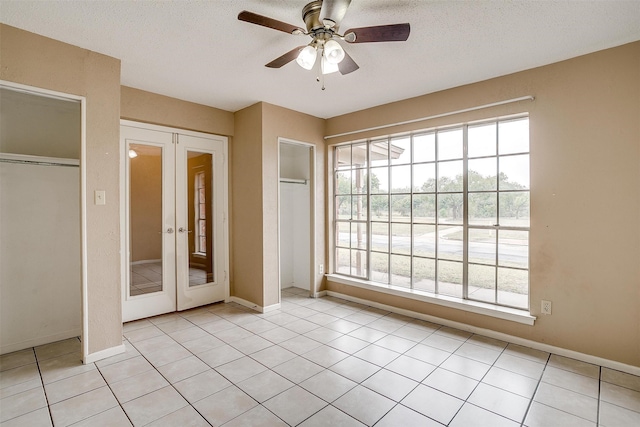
(198, 50)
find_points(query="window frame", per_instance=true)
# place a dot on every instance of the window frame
(338, 222)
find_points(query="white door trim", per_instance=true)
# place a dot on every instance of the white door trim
(225, 196)
(312, 221)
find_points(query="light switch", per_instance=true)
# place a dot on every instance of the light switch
(100, 197)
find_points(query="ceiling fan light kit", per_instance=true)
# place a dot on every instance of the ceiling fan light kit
(322, 19)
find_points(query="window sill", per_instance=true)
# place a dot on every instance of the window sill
(506, 313)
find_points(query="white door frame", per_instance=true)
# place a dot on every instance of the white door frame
(123, 202)
(312, 220)
(83, 197)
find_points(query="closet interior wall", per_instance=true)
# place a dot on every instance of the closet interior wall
(295, 216)
(40, 255)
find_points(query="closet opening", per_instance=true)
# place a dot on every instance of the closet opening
(41, 216)
(296, 216)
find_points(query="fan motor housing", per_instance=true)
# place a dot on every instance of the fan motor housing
(311, 15)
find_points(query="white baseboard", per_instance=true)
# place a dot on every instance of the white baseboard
(612, 364)
(103, 354)
(34, 342)
(252, 306)
(320, 294)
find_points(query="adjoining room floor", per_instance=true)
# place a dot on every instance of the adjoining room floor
(315, 362)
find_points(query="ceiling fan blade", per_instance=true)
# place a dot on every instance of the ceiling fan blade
(347, 65)
(254, 18)
(380, 33)
(286, 58)
(333, 11)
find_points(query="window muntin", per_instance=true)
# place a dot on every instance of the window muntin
(200, 211)
(433, 219)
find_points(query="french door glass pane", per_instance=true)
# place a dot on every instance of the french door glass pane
(200, 217)
(482, 283)
(424, 274)
(146, 227)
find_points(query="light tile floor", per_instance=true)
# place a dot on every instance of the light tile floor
(315, 362)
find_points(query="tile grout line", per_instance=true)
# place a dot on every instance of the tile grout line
(114, 396)
(44, 390)
(533, 396)
(599, 395)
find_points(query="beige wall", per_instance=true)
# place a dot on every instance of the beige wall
(585, 199)
(246, 206)
(280, 122)
(255, 180)
(45, 63)
(142, 106)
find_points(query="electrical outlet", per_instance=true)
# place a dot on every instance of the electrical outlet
(321, 269)
(546, 307)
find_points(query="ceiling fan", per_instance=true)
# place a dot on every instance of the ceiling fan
(322, 20)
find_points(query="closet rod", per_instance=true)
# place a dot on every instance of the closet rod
(38, 160)
(436, 116)
(32, 162)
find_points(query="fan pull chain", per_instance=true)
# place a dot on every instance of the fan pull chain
(320, 77)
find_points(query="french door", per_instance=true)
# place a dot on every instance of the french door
(176, 234)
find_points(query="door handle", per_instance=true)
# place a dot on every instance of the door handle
(182, 230)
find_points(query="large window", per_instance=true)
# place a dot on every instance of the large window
(443, 211)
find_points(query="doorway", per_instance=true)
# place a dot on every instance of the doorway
(41, 212)
(175, 203)
(296, 215)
